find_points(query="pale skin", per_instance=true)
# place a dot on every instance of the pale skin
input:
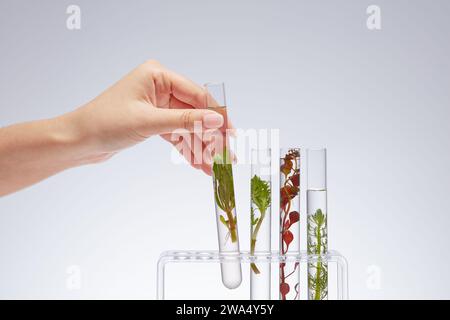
(151, 100)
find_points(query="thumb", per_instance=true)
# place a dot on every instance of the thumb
(168, 120)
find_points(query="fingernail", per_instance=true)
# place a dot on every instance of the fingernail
(212, 120)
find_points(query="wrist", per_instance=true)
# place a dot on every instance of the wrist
(68, 134)
(81, 142)
(64, 139)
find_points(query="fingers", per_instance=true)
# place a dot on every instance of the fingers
(187, 91)
(199, 158)
(184, 108)
(174, 103)
(198, 161)
(169, 120)
(184, 93)
(167, 82)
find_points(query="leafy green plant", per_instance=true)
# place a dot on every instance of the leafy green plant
(261, 197)
(317, 245)
(224, 191)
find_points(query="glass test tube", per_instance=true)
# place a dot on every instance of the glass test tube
(224, 191)
(317, 223)
(260, 223)
(289, 221)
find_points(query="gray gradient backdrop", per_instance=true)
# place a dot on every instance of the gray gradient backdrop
(378, 100)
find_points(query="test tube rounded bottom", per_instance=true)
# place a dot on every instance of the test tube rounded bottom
(231, 273)
(229, 248)
(260, 283)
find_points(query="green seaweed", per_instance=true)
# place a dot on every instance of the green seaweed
(317, 245)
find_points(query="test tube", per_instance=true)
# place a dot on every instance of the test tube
(260, 223)
(223, 183)
(289, 222)
(317, 223)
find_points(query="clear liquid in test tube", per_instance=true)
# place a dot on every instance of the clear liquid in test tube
(317, 223)
(224, 197)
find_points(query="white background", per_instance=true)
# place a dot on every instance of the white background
(378, 100)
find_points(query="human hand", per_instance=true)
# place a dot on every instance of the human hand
(151, 100)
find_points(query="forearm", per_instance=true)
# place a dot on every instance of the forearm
(33, 151)
(150, 100)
